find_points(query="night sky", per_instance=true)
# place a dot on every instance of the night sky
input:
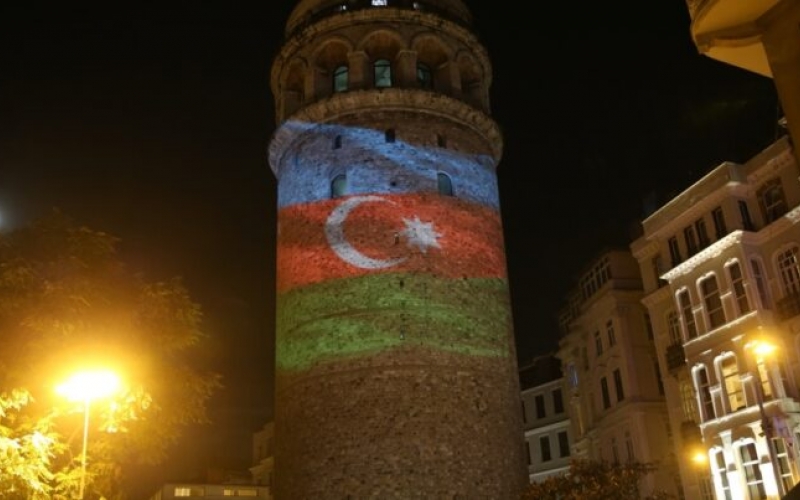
(152, 124)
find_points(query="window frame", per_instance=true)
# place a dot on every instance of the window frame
(382, 73)
(712, 301)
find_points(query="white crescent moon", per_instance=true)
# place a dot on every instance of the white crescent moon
(339, 244)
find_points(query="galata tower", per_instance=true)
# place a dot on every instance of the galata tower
(396, 372)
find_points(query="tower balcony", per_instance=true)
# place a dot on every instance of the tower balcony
(731, 31)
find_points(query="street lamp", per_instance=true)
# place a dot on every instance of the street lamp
(84, 387)
(762, 349)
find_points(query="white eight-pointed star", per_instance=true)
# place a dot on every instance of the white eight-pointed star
(420, 234)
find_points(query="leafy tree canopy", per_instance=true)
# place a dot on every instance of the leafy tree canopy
(68, 302)
(597, 480)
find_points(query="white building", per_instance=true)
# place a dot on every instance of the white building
(615, 392)
(721, 273)
(548, 432)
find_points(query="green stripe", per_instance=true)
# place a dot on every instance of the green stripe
(360, 316)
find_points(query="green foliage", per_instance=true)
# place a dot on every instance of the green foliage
(68, 302)
(596, 480)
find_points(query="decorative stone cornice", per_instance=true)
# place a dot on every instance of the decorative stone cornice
(711, 252)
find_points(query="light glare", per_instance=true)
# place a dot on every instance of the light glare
(85, 386)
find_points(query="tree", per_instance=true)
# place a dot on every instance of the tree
(596, 480)
(67, 300)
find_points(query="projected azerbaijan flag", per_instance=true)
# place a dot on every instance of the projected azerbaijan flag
(367, 274)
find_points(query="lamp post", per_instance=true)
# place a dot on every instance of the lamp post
(761, 350)
(84, 387)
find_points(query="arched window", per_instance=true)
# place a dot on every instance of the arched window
(674, 327)
(341, 79)
(729, 371)
(720, 469)
(703, 386)
(789, 269)
(339, 186)
(424, 76)
(712, 301)
(751, 464)
(444, 184)
(737, 285)
(383, 73)
(337, 142)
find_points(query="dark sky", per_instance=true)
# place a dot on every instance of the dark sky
(152, 122)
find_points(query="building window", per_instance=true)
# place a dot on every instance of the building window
(441, 140)
(540, 410)
(739, 292)
(612, 338)
(572, 375)
(528, 451)
(752, 472)
(604, 391)
(772, 200)
(383, 73)
(702, 234)
(341, 79)
(674, 327)
(658, 271)
(592, 281)
(629, 447)
(744, 212)
(339, 186)
(444, 184)
(618, 385)
(544, 446)
(720, 229)
(729, 368)
(688, 402)
(524, 413)
(390, 135)
(675, 251)
(721, 471)
(761, 285)
(424, 76)
(558, 401)
(337, 142)
(598, 343)
(713, 303)
(563, 444)
(789, 268)
(380, 3)
(784, 467)
(764, 378)
(704, 391)
(689, 324)
(691, 240)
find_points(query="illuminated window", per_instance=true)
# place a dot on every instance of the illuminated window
(383, 73)
(444, 184)
(739, 292)
(424, 76)
(247, 492)
(228, 492)
(380, 3)
(784, 467)
(752, 472)
(729, 368)
(688, 315)
(688, 402)
(189, 491)
(721, 471)
(341, 77)
(339, 186)
(182, 492)
(713, 303)
(789, 267)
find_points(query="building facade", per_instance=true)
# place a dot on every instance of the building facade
(396, 371)
(615, 392)
(721, 272)
(548, 431)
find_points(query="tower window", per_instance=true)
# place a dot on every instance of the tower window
(337, 142)
(383, 73)
(444, 184)
(441, 141)
(339, 186)
(424, 76)
(380, 3)
(341, 78)
(389, 135)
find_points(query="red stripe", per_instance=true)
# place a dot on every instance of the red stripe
(470, 239)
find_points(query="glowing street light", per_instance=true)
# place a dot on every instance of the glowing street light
(84, 387)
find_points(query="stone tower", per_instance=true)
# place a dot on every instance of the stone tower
(396, 371)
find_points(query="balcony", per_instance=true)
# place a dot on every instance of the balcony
(676, 358)
(788, 307)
